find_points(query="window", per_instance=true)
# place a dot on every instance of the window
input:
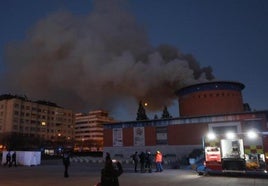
(139, 138)
(161, 136)
(222, 128)
(117, 137)
(253, 124)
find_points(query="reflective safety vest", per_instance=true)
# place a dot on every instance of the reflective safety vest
(158, 157)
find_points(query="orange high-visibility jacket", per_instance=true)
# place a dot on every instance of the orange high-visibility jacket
(158, 157)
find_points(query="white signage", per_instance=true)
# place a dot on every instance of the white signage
(117, 137)
(139, 139)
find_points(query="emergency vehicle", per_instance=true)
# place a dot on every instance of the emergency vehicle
(236, 153)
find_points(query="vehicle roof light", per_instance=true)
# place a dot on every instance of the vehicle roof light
(252, 134)
(211, 136)
(230, 135)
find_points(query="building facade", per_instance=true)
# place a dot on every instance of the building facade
(89, 130)
(215, 106)
(176, 136)
(40, 119)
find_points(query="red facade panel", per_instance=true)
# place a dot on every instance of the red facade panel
(108, 137)
(128, 136)
(190, 134)
(150, 136)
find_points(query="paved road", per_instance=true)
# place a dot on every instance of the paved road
(82, 174)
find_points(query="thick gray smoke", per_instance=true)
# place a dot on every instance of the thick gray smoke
(101, 60)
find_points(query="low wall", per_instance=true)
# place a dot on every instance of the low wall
(28, 158)
(178, 150)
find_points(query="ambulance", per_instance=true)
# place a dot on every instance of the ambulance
(235, 153)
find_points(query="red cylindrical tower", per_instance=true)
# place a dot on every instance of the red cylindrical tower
(217, 97)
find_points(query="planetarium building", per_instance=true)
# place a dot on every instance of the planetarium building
(204, 107)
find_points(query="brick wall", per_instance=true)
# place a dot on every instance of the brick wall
(190, 134)
(128, 136)
(150, 136)
(211, 102)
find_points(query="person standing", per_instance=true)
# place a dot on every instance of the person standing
(13, 159)
(135, 158)
(110, 173)
(158, 161)
(66, 163)
(142, 161)
(108, 156)
(149, 161)
(8, 159)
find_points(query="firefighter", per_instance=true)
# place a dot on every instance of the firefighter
(158, 161)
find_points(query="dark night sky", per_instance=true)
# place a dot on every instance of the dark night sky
(230, 36)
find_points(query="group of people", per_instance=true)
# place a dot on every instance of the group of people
(146, 160)
(11, 159)
(113, 169)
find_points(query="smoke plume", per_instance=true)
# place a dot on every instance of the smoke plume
(100, 60)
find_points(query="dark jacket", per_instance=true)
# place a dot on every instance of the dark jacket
(110, 173)
(66, 158)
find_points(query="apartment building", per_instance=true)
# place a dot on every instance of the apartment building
(88, 131)
(40, 119)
